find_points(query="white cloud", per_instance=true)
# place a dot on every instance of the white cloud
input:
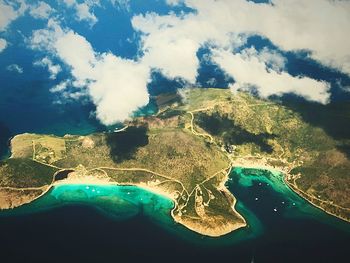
(249, 71)
(117, 86)
(84, 13)
(44, 39)
(60, 87)
(76, 52)
(121, 4)
(271, 58)
(83, 10)
(211, 82)
(41, 10)
(170, 42)
(120, 89)
(316, 25)
(3, 44)
(52, 68)
(69, 3)
(173, 2)
(15, 68)
(173, 60)
(8, 12)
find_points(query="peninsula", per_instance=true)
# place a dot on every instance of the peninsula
(186, 153)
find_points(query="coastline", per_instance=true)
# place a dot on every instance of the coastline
(193, 226)
(204, 229)
(220, 231)
(105, 182)
(284, 174)
(305, 196)
(155, 190)
(210, 225)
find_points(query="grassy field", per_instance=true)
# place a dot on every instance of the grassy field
(23, 173)
(186, 151)
(159, 153)
(249, 127)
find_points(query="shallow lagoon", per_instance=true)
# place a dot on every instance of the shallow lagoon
(124, 202)
(126, 222)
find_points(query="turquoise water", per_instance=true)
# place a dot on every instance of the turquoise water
(117, 202)
(76, 224)
(105, 223)
(150, 109)
(125, 202)
(289, 204)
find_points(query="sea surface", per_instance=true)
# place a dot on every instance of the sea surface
(89, 223)
(76, 224)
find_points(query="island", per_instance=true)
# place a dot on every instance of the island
(186, 153)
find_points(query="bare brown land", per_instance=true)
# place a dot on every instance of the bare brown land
(154, 153)
(264, 134)
(186, 152)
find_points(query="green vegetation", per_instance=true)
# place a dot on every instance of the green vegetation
(230, 133)
(156, 153)
(22, 173)
(186, 152)
(166, 99)
(123, 145)
(270, 134)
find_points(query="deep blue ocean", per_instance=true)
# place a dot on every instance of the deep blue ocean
(78, 232)
(127, 224)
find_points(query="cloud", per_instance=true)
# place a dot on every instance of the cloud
(9, 13)
(271, 58)
(83, 10)
(52, 68)
(62, 86)
(211, 82)
(249, 71)
(117, 86)
(173, 2)
(76, 52)
(84, 13)
(15, 68)
(44, 39)
(70, 3)
(315, 25)
(41, 10)
(170, 42)
(121, 88)
(121, 4)
(3, 44)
